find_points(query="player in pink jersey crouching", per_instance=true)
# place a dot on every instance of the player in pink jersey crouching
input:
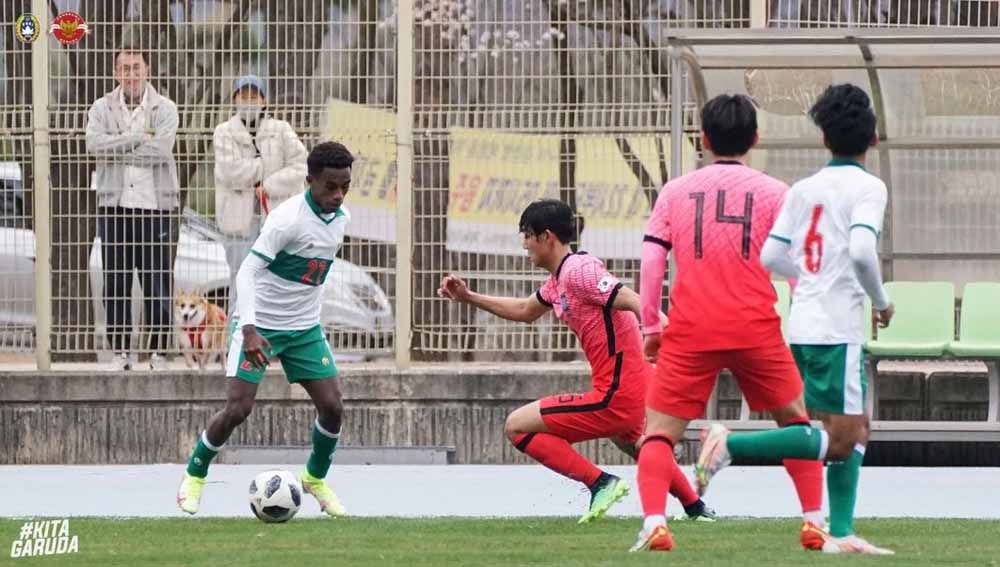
(602, 313)
(714, 222)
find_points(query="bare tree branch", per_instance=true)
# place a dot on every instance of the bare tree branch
(363, 60)
(649, 186)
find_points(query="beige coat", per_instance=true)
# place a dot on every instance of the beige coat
(280, 165)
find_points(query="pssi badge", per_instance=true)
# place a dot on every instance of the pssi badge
(26, 28)
(69, 28)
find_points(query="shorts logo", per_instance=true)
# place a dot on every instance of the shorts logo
(246, 366)
(605, 284)
(564, 302)
(326, 361)
(69, 28)
(26, 28)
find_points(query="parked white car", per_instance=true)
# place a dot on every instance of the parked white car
(353, 303)
(17, 255)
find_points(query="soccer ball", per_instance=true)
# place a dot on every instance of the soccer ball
(275, 496)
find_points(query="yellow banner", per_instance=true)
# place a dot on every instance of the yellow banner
(494, 175)
(491, 177)
(370, 134)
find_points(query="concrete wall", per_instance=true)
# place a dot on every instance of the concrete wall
(145, 417)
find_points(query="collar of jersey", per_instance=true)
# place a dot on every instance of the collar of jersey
(566, 257)
(319, 212)
(837, 162)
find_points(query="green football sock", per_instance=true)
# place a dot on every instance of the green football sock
(782, 443)
(842, 485)
(324, 444)
(201, 457)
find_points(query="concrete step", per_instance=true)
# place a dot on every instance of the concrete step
(345, 455)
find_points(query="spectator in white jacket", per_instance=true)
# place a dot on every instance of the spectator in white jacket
(259, 162)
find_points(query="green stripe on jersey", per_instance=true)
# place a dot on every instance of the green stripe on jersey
(307, 271)
(319, 212)
(839, 162)
(264, 257)
(868, 226)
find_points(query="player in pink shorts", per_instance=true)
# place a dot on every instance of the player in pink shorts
(602, 313)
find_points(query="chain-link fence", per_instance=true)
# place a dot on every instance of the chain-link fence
(119, 261)
(17, 283)
(511, 101)
(882, 13)
(521, 100)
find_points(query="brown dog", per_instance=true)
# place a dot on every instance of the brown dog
(201, 329)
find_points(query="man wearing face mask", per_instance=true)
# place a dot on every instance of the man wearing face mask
(259, 163)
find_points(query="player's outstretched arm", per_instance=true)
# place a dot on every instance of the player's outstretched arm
(511, 308)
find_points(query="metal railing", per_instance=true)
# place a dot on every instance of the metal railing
(882, 13)
(458, 119)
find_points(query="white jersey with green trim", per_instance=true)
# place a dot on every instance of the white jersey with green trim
(298, 243)
(816, 219)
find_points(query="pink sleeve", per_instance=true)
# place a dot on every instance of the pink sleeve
(658, 227)
(656, 243)
(651, 273)
(592, 283)
(547, 293)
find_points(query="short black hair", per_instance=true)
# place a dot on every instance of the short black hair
(730, 123)
(328, 154)
(553, 215)
(134, 51)
(844, 114)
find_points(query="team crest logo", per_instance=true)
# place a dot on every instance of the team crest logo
(326, 361)
(564, 302)
(26, 28)
(69, 28)
(605, 284)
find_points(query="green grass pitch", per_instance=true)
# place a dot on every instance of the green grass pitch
(357, 542)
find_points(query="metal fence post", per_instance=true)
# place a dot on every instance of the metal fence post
(677, 89)
(758, 14)
(43, 221)
(676, 111)
(404, 184)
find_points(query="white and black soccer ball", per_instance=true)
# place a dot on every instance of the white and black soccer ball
(275, 496)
